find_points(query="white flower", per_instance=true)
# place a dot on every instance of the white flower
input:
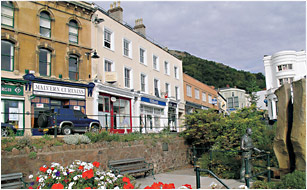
(45, 177)
(76, 178)
(102, 187)
(243, 187)
(98, 173)
(96, 178)
(102, 177)
(213, 185)
(83, 163)
(64, 173)
(49, 171)
(120, 176)
(70, 185)
(53, 176)
(30, 176)
(183, 187)
(116, 187)
(41, 180)
(71, 170)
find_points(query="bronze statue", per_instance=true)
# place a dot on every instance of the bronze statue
(247, 147)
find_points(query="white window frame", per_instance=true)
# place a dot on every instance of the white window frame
(145, 82)
(189, 90)
(112, 65)
(111, 39)
(159, 90)
(196, 91)
(129, 48)
(176, 73)
(168, 89)
(144, 56)
(130, 78)
(166, 68)
(177, 92)
(157, 63)
(204, 96)
(210, 98)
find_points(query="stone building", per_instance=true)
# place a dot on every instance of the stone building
(137, 82)
(45, 58)
(236, 98)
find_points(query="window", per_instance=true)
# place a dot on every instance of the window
(45, 24)
(177, 92)
(127, 48)
(230, 102)
(73, 31)
(7, 13)
(108, 38)
(204, 97)
(285, 80)
(142, 56)
(7, 56)
(143, 83)
(166, 67)
(155, 61)
(210, 99)
(189, 91)
(236, 101)
(167, 90)
(156, 87)
(176, 72)
(284, 67)
(108, 66)
(196, 94)
(44, 62)
(127, 78)
(73, 68)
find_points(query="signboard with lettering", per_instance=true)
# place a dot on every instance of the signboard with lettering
(58, 91)
(214, 101)
(152, 101)
(110, 76)
(12, 90)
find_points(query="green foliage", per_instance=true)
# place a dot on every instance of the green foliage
(76, 139)
(23, 142)
(294, 180)
(219, 75)
(32, 155)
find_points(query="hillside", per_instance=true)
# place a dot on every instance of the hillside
(218, 74)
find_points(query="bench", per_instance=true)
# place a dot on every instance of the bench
(131, 166)
(12, 181)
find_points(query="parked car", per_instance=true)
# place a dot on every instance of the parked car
(6, 128)
(67, 121)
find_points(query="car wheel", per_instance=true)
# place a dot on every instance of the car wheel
(42, 120)
(94, 129)
(4, 132)
(66, 130)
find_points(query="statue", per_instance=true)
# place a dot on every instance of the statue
(247, 147)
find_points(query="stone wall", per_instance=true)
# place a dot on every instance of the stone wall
(176, 156)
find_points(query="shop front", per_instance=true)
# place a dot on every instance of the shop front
(49, 94)
(13, 104)
(190, 107)
(172, 116)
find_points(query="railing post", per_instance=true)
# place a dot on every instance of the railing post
(141, 127)
(145, 123)
(55, 125)
(106, 122)
(246, 172)
(268, 166)
(197, 177)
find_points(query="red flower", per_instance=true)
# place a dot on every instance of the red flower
(42, 169)
(88, 174)
(87, 188)
(96, 164)
(168, 186)
(128, 186)
(30, 187)
(57, 186)
(52, 168)
(188, 186)
(37, 178)
(125, 179)
(80, 167)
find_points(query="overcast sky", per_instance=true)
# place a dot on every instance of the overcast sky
(237, 34)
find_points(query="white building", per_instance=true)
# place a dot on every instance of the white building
(133, 76)
(236, 98)
(261, 95)
(282, 67)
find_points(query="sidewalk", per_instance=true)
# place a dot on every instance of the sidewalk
(186, 176)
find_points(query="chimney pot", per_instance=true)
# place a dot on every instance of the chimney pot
(116, 12)
(140, 27)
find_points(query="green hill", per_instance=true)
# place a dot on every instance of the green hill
(218, 74)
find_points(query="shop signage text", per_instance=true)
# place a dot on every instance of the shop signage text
(12, 90)
(152, 101)
(58, 91)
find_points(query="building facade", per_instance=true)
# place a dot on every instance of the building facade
(280, 68)
(198, 95)
(45, 59)
(137, 82)
(236, 98)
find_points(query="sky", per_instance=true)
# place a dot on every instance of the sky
(235, 33)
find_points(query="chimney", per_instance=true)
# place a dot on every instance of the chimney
(227, 85)
(140, 27)
(116, 11)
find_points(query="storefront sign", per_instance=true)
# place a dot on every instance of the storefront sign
(58, 91)
(12, 90)
(13, 114)
(111, 77)
(76, 107)
(40, 105)
(152, 101)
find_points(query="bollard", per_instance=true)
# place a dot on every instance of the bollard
(106, 122)
(246, 172)
(197, 177)
(268, 166)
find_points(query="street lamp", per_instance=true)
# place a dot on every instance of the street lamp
(94, 56)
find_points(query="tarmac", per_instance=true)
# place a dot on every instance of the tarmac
(186, 176)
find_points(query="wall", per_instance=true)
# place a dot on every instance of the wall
(176, 156)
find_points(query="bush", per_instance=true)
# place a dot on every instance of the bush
(25, 141)
(76, 139)
(32, 155)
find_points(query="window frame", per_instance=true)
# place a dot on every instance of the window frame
(158, 87)
(144, 57)
(168, 89)
(129, 50)
(72, 34)
(189, 90)
(42, 27)
(196, 91)
(176, 73)
(143, 82)
(166, 68)
(177, 94)
(129, 78)
(155, 65)
(3, 15)
(112, 65)
(12, 55)
(110, 41)
(48, 64)
(77, 72)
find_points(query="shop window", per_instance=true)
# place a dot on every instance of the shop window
(7, 55)
(73, 31)
(44, 62)
(73, 68)
(121, 114)
(45, 24)
(12, 113)
(7, 14)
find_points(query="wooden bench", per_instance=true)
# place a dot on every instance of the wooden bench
(12, 181)
(131, 166)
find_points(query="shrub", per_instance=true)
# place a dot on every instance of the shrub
(96, 137)
(263, 185)
(32, 155)
(294, 180)
(25, 141)
(76, 139)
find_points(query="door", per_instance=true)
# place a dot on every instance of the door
(80, 121)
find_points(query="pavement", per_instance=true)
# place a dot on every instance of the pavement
(185, 176)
